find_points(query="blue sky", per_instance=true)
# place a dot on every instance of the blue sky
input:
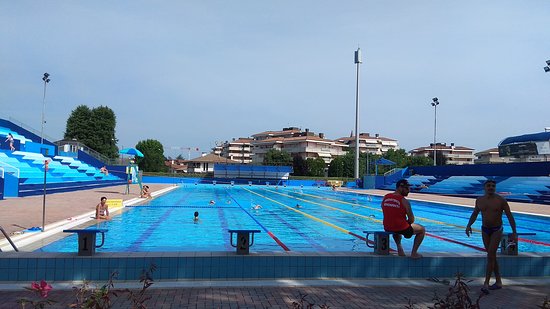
(190, 73)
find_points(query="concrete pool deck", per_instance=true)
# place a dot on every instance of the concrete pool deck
(211, 280)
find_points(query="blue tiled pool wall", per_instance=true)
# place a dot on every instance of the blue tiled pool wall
(26, 267)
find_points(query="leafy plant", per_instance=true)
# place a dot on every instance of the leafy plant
(40, 289)
(457, 296)
(146, 279)
(89, 298)
(545, 304)
(305, 304)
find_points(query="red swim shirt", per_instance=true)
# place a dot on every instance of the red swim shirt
(395, 215)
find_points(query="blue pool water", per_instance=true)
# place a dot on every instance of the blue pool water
(326, 221)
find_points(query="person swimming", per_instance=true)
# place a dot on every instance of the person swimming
(196, 218)
(257, 207)
(298, 206)
(212, 202)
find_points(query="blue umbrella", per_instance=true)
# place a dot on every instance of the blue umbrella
(131, 151)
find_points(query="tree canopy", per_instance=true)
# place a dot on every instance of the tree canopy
(277, 157)
(94, 128)
(153, 156)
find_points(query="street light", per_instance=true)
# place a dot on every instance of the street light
(435, 103)
(357, 62)
(46, 80)
(547, 68)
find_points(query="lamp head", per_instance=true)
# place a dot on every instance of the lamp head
(435, 100)
(546, 69)
(548, 62)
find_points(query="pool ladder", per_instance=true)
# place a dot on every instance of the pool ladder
(9, 239)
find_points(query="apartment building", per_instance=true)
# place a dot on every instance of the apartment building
(374, 144)
(490, 156)
(296, 142)
(452, 154)
(239, 150)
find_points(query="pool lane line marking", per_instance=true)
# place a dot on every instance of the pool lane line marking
(536, 242)
(275, 238)
(379, 221)
(312, 242)
(380, 210)
(182, 206)
(149, 231)
(311, 217)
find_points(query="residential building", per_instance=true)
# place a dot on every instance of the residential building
(205, 163)
(176, 166)
(373, 144)
(452, 154)
(239, 150)
(490, 156)
(292, 140)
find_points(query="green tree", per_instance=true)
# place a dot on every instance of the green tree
(315, 167)
(277, 157)
(94, 128)
(153, 156)
(299, 166)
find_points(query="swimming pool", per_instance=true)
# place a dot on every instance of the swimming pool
(324, 221)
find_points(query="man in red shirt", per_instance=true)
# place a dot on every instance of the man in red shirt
(399, 218)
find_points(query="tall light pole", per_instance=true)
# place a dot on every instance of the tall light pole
(547, 67)
(46, 81)
(357, 63)
(435, 103)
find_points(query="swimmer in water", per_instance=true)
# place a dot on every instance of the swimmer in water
(257, 207)
(196, 218)
(298, 206)
(212, 202)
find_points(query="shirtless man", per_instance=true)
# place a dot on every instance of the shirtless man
(399, 218)
(102, 210)
(491, 206)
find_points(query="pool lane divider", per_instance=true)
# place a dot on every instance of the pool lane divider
(148, 232)
(182, 206)
(536, 242)
(275, 238)
(376, 220)
(311, 216)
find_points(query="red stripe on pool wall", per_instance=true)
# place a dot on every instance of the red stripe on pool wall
(456, 242)
(278, 241)
(534, 242)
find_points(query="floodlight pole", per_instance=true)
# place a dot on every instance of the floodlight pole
(435, 103)
(356, 165)
(46, 81)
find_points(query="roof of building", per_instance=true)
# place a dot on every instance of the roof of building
(492, 150)
(212, 158)
(534, 137)
(294, 130)
(365, 136)
(442, 147)
(241, 140)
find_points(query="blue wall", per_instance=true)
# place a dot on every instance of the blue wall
(11, 185)
(86, 158)
(1, 188)
(507, 169)
(45, 149)
(28, 134)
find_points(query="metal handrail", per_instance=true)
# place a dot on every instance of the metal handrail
(30, 129)
(10, 166)
(87, 150)
(9, 239)
(393, 171)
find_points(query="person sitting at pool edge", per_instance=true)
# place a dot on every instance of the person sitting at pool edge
(399, 218)
(102, 210)
(145, 192)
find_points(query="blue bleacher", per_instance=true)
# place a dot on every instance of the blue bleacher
(519, 189)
